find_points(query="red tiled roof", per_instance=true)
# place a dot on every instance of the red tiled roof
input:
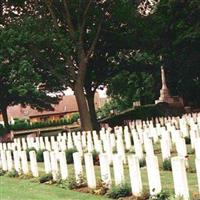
(68, 104)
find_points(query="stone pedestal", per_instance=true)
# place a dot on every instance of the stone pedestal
(165, 94)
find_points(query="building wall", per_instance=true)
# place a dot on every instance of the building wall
(54, 117)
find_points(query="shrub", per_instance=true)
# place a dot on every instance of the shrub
(95, 156)
(167, 166)
(118, 191)
(39, 155)
(195, 196)
(2, 172)
(69, 155)
(114, 150)
(73, 184)
(187, 140)
(101, 188)
(12, 174)
(191, 151)
(163, 195)
(2, 130)
(45, 178)
(142, 163)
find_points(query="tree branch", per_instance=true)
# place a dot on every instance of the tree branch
(69, 21)
(52, 15)
(93, 45)
(84, 20)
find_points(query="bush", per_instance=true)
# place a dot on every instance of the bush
(2, 172)
(167, 166)
(101, 188)
(73, 184)
(39, 155)
(118, 191)
(187, 140)
(2, 130)
(143, 112)
(12, 174)
(45, 178)
(95, 156)
(163, 195)
(142, 163)
(69, 155)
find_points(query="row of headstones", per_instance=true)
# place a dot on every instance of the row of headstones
(55, 163)
(141, 135)
(107, 142)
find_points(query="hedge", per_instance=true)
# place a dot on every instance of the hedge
(143, 113)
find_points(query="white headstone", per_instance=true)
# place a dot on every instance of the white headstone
(63, 165)
(197, 163)
(33, 163)
(78, 166)
(3, 160)
(54, 165)
(90, 174)
(9, 160)
(105, 169)
(118, 169)
(25, 169)
(47, 163)
(135, 175)
(180, 178)
(153, 175)
(17, 162)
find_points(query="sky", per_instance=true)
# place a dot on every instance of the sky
(102, 93)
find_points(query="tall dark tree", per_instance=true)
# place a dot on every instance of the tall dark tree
(27, 72)
(174, 32)
(86, 23)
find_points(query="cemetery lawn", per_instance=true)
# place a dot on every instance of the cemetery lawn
(18, 189)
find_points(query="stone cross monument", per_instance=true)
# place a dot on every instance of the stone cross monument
(164, 91)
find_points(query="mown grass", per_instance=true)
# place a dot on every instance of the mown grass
(18, 189)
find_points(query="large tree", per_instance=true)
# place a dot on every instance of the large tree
(27, 71)
(87, 25)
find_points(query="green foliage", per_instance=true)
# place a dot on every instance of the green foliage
(187, 140)
(46, 178)
(73, 184)
(69, 155)
(23, 125)
(95, 156)
(12, 174)
(39, 155)
(28, 150)
(108, 109)
(74, 117)
(163, 195)
(167, 166)
(134, 86)
(143, 112)
(142, 163)
(2, 172)
(2, 130)
(173, 32)
(118, 191)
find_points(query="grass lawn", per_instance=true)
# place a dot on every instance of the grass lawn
(18, 189)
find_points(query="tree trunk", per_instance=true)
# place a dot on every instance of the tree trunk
(91, 105)
(86, 124)
(5, 118)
